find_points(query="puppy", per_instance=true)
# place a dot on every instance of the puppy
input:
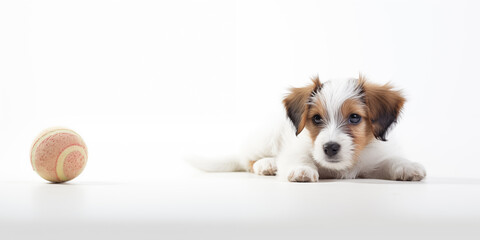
(333, 130)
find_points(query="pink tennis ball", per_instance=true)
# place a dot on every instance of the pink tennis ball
(58, 155)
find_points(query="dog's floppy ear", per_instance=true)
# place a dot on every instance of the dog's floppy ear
(296, 103)
(384, 106)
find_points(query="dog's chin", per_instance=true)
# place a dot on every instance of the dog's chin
(335, 164)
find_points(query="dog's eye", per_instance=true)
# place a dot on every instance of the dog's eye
(354, 118)
(317, 119)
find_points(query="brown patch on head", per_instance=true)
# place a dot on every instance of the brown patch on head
(361, 133)
(353, 106)
(296, 103)
(383, 106)
(315, 108)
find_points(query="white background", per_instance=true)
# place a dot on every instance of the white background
(143, 79)
(146, 82)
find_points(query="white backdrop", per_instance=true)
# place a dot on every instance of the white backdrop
(145, 82)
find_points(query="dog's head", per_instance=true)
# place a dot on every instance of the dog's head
(342, 117)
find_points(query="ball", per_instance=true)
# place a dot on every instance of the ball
(58, 155)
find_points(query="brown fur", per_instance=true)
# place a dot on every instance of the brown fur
(362, 133)
(314, 129)
(384, 106)
(296, 103)
(250, 165)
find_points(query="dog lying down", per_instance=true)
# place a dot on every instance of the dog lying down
(333, 130)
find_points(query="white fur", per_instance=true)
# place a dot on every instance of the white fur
(332, 134)
(265, 166)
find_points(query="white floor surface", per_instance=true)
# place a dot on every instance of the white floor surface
(201, 205)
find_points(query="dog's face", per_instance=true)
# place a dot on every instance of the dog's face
(342, 117)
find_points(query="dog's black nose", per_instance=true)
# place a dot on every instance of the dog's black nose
(331, 148)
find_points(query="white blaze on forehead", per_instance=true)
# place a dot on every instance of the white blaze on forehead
(333, 94)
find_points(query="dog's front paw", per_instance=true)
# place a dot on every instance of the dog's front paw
(408, 171)
(265, 166)
(303, 174)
